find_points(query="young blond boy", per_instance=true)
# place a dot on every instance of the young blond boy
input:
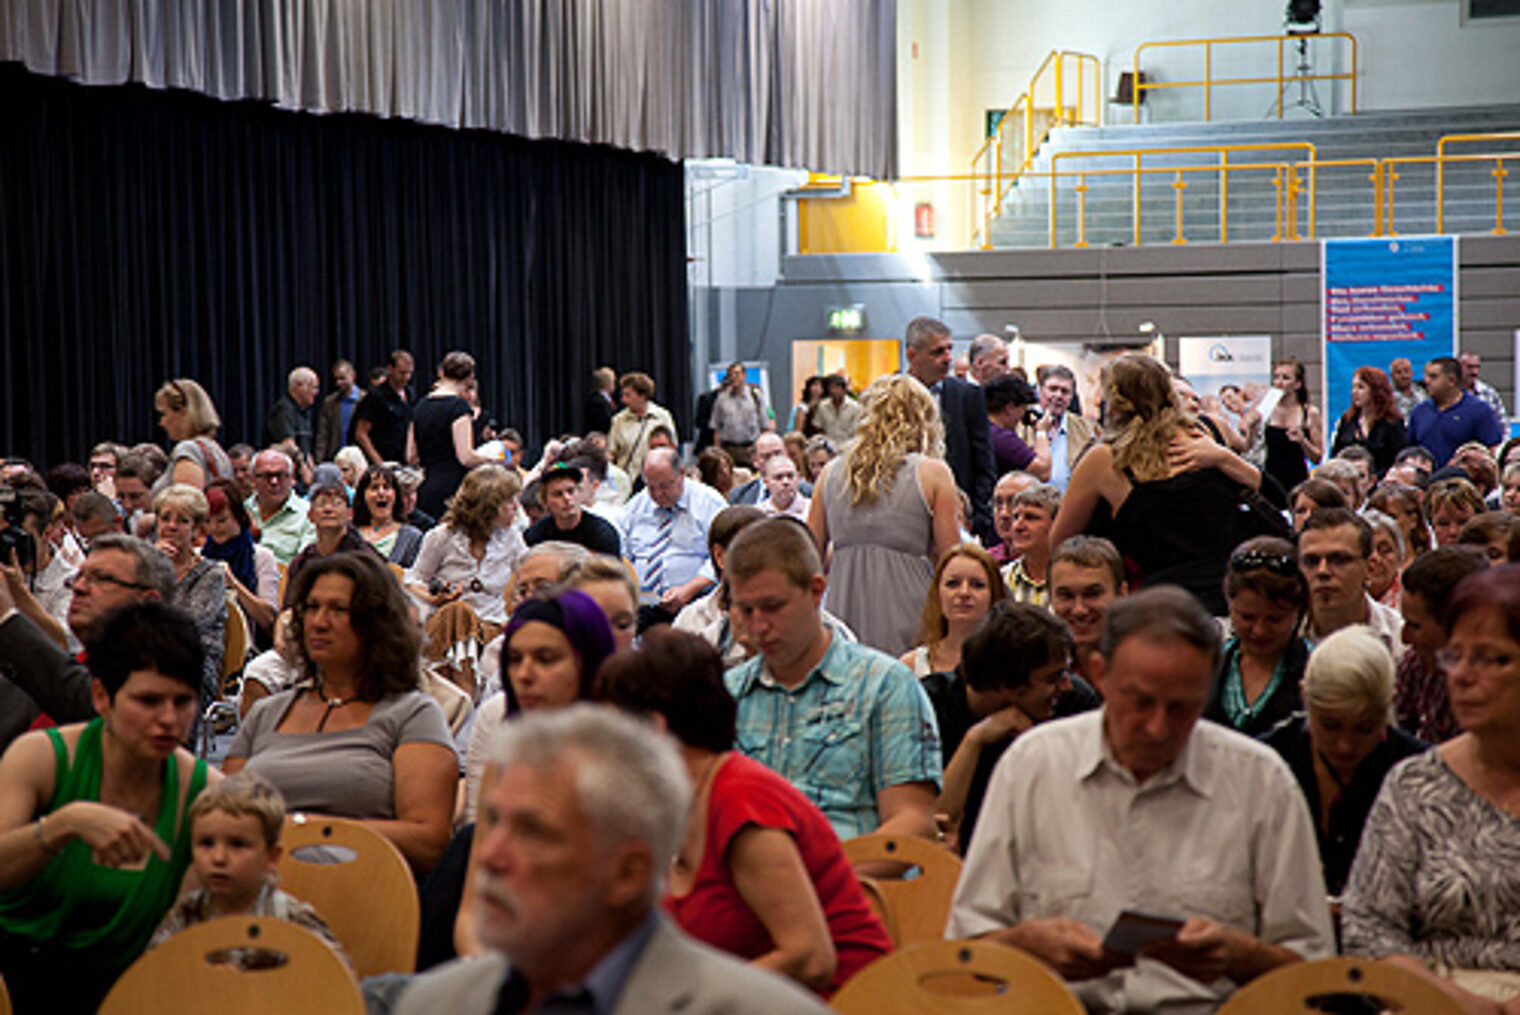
(235, 829)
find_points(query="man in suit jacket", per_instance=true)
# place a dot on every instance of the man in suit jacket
(968, 447)
(576, 833)
(599, 408)
(1070, 432)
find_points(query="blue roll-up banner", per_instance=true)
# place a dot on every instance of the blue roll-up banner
(1383, 299)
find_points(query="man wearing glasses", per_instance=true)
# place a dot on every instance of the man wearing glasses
(36, 675)
(1332, 553)
(281, 512)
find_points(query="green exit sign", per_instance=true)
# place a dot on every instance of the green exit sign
(847, 319)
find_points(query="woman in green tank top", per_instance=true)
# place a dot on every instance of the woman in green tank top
(93, 836)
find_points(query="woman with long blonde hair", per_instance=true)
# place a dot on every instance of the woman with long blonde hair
(888, 504)
(1174, 493)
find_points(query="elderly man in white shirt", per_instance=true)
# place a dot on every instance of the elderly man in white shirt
(782, 496)
(1142, 807)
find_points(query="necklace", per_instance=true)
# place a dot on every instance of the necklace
(331, 704)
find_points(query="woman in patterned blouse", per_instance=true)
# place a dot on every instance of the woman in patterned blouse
(1436, 883)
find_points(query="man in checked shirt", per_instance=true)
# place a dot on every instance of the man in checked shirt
(848, 725)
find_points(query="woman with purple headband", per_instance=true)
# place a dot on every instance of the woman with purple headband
(554, 644)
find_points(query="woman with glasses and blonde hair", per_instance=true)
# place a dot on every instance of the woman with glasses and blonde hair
(888, 504)
(965, 588)
(188, 416)
(1174, 494)
(1436, 881)
(1344, 742)
(1260, 666)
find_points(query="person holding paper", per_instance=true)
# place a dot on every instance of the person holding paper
(1139, 809)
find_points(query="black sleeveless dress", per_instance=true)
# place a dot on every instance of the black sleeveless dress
(1285, 456)
(1181, 531)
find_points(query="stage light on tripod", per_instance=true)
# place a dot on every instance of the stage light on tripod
(1302, 13)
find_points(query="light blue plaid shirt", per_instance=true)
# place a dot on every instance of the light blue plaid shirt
(859, 723)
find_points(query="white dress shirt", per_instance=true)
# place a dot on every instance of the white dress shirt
(1223, 833)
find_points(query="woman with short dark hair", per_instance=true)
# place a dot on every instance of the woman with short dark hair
(761, 874)
(94, 838)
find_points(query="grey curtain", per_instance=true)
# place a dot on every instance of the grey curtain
(803, 83)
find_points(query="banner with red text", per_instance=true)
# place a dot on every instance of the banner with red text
(1384, 299)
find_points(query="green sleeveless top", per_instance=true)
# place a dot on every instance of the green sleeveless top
(107, 913)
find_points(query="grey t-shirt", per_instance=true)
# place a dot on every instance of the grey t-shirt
(347, 773)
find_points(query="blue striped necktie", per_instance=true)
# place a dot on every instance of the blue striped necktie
(655, 576)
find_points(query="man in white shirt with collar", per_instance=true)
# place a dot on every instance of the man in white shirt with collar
(1333, 549)
(1142, 807)
(664, 532)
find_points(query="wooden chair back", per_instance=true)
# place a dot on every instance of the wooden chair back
(398, 571)
(917, 908)
(369, 901)
(5, 999)
(960, 977)
(188, 974)
(1304, 986)
(234, 641)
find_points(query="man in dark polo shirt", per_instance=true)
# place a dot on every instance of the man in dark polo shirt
(567, 521)
(382, 423)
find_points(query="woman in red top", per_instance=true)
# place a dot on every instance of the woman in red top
(761, 874)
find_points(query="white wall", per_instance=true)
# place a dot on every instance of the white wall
(1413, 53)
(1417, 53)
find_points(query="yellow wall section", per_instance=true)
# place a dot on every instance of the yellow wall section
(862, 360)
(860, 223)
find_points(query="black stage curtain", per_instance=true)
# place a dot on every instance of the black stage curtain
(146, 235)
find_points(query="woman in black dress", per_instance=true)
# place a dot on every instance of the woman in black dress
(444, 425)
(1294, 431)
(1373, 421)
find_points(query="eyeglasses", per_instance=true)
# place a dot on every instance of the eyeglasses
(103, 466)
(272, 476)
(1255, 560)
(93, 577)
(1482, 661)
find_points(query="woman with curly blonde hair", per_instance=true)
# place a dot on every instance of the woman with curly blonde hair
(1173, 493)
(889, 505)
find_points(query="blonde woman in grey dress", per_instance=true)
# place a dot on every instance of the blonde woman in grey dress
(889, 505)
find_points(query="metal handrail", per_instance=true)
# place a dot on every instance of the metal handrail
(1138, 169)
(997, 181)
(1140, 86)
(1499, 173)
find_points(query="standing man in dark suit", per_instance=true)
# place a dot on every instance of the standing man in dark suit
(968, 448)
(599, 408)
(585, 811)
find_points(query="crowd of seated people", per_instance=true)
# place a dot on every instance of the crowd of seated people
(607, 698)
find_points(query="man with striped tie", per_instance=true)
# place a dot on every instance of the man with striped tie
(664, 532)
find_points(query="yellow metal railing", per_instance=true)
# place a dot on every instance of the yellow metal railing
(1065, 91)
(1139, 170)
(1280, 79)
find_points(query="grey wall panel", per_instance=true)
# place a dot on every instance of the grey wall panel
(1098, 294)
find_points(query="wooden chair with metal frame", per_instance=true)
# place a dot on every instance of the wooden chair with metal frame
(1289, 989)
(369, 900)
(917, 908)
(190, 973)
(969, 977)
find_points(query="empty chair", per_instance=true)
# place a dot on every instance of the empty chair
(1290, 989)
(297, 974)
(917, 908)
(361, 885)
(956, 976)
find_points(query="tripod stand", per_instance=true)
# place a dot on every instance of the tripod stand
(1303, 74)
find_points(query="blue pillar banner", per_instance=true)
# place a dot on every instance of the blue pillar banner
(1383, 299)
